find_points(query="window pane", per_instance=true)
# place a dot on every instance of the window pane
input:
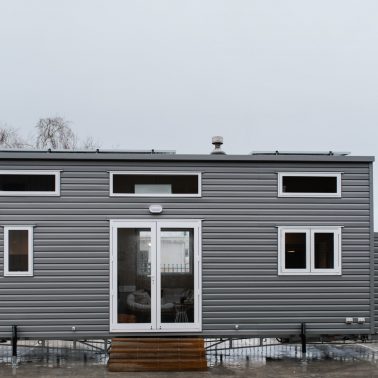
(177, 278)
(134, 275)
(295, 250)
(27, 183)
(18, 250)
(153, 188)
(309, 184)
(155, 184)
(324, 251)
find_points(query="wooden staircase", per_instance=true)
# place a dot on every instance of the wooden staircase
(157, 354)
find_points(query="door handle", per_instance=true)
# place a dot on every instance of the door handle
(152, 278)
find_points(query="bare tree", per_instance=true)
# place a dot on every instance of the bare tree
(9, 138)
(55, 133)
(90, 144)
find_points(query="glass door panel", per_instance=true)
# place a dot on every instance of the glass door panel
(134, 281)
(176, 275)
(155, 276)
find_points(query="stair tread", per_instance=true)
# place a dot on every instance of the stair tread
(154, 347)
(117, 356)
(148, 365)
(157, 354)
(153, 340)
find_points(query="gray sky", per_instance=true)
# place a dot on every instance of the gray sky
(135, 74)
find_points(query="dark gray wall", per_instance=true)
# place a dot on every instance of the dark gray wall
(240, 209)
(376, 281)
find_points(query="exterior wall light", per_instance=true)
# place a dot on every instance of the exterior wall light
(156, 209)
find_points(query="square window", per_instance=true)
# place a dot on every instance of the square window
(309, 250)
(18, 251)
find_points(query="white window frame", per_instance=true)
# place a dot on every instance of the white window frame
(154, 173)
(29, 272)
(281, 175)
(281, 251)
(32, 193)
(196, 225)
(156, 325)
(310, 250)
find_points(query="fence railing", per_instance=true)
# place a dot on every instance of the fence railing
(95, 351)
(175, 268)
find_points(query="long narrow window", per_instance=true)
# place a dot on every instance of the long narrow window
(299, 184)
(29, 183)
(309, 250)
(18, 251)
(155, 184)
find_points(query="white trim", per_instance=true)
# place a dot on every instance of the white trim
(310, 250)
(336, 231)
(196, 325)
(310, 174)
(29, 272)
(154, 173)
(129, 327)
(281, 251)
(32, 193)
(155, 325)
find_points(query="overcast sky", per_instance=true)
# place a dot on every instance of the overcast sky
(267, 75)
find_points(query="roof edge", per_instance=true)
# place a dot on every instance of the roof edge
(81, 155)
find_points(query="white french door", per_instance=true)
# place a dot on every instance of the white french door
(155, 282)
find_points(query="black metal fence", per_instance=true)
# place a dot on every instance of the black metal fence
(175, 268)
(55, 351)
(260, 350)
(219, 351)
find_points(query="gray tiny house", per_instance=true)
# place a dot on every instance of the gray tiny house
(102, 244)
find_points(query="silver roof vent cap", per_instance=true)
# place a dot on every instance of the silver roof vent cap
(217, 141)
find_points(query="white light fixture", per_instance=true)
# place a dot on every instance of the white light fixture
(156, 209)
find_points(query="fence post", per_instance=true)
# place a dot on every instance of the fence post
(303, 337)
(14, 344)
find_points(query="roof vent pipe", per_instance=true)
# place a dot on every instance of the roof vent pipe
(217, 141)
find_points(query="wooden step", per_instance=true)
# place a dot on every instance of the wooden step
(160, 341)
(150, 365)
(157, 354)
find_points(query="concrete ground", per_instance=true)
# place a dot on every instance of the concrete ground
(347, 360)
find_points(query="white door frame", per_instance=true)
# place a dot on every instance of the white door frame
(156, 325)
(130, 327)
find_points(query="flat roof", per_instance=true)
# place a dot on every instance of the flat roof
(155, 155)
(335, 153)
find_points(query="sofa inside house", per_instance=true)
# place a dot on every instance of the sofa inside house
(173, 302)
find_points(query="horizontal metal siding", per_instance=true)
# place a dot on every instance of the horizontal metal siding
(376, 281)
(240, 211)
(242, 287)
